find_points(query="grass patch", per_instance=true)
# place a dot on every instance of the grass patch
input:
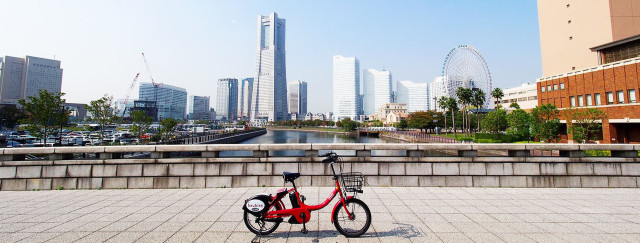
(597, 153)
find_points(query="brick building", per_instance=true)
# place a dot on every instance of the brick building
(613, 87)
(579, 75)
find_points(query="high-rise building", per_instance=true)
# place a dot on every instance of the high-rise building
(346, 88)
(270, 87)
(24, 77)
(227, 99)
(199, 107)
(123, 109)
(171, 100)
(244, 98)
(569, 28)
(415, 95)
(376, 90)
(437, 89)
(297, 97)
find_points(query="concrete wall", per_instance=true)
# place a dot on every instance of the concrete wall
(111, 168)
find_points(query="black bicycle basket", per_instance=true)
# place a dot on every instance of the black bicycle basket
(352, 181)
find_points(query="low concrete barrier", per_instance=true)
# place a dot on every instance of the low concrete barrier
(234, 137)
(200, 166)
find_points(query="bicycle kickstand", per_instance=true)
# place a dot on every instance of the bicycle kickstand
(304, 225)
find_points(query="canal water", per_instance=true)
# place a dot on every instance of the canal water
(275, 137)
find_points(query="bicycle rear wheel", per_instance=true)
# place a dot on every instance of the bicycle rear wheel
(358, 224)
(260, 226)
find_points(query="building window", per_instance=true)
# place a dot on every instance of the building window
(589, 101)
(597, 98)
(542, 89)
(580, 101)
(609, 98)
(555, 87)
(561, 85)
(548, 87)
(620, 95)
(573, 101)
(632, 95)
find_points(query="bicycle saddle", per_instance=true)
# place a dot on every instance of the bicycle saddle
(289, 176)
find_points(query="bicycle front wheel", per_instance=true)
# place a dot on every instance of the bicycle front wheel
(356, 225)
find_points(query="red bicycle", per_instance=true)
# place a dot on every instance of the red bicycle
(263, 212)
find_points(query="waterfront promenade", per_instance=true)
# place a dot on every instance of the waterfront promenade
(400, 214)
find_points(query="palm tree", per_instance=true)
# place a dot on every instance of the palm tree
(465, 96)
(442, 104)
(497, 94)
(452, 106)
(479, 97)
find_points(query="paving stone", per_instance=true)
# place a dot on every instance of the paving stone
(402, 214)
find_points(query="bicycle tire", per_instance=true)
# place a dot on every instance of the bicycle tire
(258, 231)
(358, 232)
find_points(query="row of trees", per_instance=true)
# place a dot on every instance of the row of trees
(543, 123)
(45, 114)
(469, 99)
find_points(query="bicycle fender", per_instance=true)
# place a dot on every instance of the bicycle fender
(336, 206)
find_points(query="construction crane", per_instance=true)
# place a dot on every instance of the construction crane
(153, 82)
(126, 99)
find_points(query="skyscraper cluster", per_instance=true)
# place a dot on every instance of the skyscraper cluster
(377, 91)
(21, 78)
(266, 96)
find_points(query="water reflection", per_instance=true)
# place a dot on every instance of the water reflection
(275, 137)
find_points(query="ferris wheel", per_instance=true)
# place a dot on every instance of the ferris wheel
(465, 67)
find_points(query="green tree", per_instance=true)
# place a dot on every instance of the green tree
(347, 124)
(11, 115)
(545, 122)
(141, 123)
(45, 114)
(167, 127)
(497, 94)
(586, 124)
(420, 120)
(514, 105)
(441, 103)
(465, 98)
(495, 121)
(403, 124)
(519, 124)
(449, 104)
(102, 112)
(479, 97)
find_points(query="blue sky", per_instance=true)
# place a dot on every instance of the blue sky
(194, 43)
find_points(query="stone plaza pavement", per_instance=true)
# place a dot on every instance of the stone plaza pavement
(399, 215)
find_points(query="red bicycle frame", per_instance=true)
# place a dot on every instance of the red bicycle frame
(306, 209)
